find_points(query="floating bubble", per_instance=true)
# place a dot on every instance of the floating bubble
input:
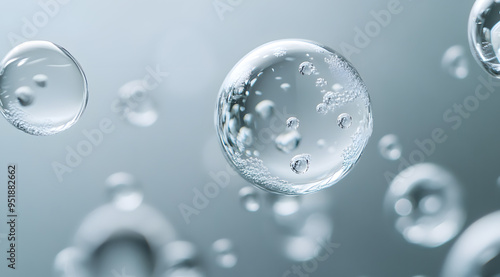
(180, 259)
(225, 255)
(250, 199)
(425, 202)
(26, 99)
(484, 35)
(40, 80)
(455, 62)
(68, 262)
(477, 251)
(300, 163)
(390, 148)
(288, 141)
(285, 205)
(292, 123)
(125, 192)
(285, 86)
(135, 104)
(344, 120)
(25, 95)
(307, 68)
(270, 108)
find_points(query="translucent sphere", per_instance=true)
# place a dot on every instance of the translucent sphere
(484, 35)
(477, 250)
(425, 202)
(43, 88)
(268, 93)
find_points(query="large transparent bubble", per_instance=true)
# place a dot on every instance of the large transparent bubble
(484, 35)
(43, 88)
(293, 117)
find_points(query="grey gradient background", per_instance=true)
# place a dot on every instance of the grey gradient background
(115, 41)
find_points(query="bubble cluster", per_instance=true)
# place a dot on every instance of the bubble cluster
(265, 97)
(43, 89)
(425, 202)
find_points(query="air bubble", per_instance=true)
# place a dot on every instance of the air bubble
(135, 104)
(425, 202)
(292, 123)
(124, 191)
(389, 147)
(28, 102)
(484, 35)
(307, 68)
(455, 62)
(225, 255)
(250, 199)
(344, 120)
(271, 108)
(300, 163)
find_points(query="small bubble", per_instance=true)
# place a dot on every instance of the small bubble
(245, 136)
(248, 119)
(292, 123)
(25, 95)
(322, 108)
(321, 143)
(265, 109)
(285, 86)
(390, 148)
(300, 163)
(224, 253)
(285, 205)
(329, 98)
(320, 82)
(455, 62)
(344, 120)
(288, 141)
(40, 80)
(249, 199)
(307, 68)
(124, 191)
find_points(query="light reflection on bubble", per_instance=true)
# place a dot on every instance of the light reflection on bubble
(124, 191)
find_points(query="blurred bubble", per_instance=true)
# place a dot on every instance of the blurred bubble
(425, 202)
(250, 199)
(455, 62)
(484, 35)
(477, 251)
(180, 259)
(256, 83)
(125, 192)
(32, 104)
(390, 148)
(285, 205)
(68, 263)
(135, 104)
(225, 255)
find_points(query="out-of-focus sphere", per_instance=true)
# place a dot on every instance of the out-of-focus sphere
(267, 94)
